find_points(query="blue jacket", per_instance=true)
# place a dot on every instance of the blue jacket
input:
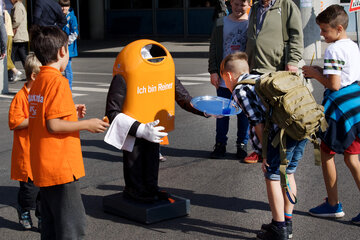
(48, 13)
(342, 113)
(71, 29)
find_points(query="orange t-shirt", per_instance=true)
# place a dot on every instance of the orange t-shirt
(56, 158)
(20, 159)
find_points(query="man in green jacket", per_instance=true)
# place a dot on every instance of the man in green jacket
(275, 36)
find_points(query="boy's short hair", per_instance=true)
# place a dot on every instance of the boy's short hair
(46, 41)
(227, 66)
(32, 65)
(333, 15)
(64, 3)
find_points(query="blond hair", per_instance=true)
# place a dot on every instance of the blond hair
(32, 65)
(235, 63)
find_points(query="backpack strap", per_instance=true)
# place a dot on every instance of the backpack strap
(283, 165)
(250, 81)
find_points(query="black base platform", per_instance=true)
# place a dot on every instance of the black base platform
(146, 212)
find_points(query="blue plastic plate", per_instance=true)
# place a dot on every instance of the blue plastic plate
(216, 106)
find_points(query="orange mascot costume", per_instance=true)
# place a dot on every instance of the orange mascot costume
(141, 94)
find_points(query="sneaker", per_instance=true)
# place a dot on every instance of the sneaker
(241, 152)
(326, 210)
(162, 158)
(18, 76)
(252, 158)
(25, 219)
(356, 220)
(219, 151)
(273, 233)
(266, 227)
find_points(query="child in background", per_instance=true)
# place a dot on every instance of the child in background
(341, 99)
(235, 68)
(28, 195)
(71, 29)
(54, 129)
(229, 35)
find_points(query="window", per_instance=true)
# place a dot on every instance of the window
(202, 3)
(170, 3)
(130, 4)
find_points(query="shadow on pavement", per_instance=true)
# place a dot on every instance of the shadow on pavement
(6, 224)
(176, 152)
(93, 206)
(102, 156)
(8, 195)
(9, 198)
(99, 144)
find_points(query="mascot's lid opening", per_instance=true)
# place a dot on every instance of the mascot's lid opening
(153, 53)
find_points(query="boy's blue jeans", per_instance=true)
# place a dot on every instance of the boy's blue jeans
(69, 73)
(294, 153)
(222, 124)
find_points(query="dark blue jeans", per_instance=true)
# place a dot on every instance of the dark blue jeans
(222, 124)
(69, 73)
(29, 197)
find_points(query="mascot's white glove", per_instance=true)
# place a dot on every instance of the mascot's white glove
(150, 132)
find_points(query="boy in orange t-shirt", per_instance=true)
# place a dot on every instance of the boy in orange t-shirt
(55, 149)
(28, 195)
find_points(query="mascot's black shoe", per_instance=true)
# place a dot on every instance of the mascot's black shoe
(132, 194)
(163, 195)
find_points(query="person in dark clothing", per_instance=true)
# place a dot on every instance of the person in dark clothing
(221, 10)
(141, 164)
(48, 13)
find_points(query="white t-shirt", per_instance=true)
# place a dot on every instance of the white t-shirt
(343, 58)
(234, 38)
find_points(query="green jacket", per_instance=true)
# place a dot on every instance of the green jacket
(216, 47)
(271, 50)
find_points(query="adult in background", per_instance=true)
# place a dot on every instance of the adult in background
(21, 35)
(275, 36)
(10, 34)
(3, 35)
(220, 9)
(275, 40)
(48, 13)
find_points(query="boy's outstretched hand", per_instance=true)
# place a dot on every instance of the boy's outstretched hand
(96, 125)
(312, 71)
(81, 110)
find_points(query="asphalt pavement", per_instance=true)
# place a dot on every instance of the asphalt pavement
(228, 198)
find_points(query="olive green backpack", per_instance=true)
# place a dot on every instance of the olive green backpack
(292, 107)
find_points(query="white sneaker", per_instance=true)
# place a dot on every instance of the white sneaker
(18, 76)
(162, 158)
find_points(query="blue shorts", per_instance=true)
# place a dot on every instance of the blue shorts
(294, 153)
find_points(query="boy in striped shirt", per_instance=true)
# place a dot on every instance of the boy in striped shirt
(342, 106)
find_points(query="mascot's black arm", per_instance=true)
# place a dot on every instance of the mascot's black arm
(183, 98)
(115, 101)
